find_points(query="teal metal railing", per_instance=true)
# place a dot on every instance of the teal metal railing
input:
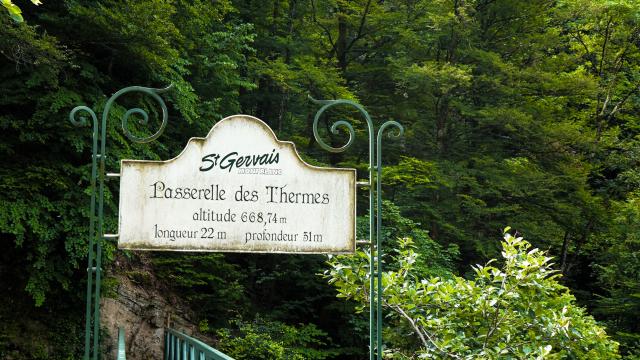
(179, 346)
(121, 348)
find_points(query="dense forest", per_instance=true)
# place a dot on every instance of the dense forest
(518, 113)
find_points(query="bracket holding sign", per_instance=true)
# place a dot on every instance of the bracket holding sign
(239, 189)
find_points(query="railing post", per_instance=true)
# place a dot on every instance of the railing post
(122, 350)
(375, 216)
(184, 350)
(167, 345)
(96, 233)
(176, 348)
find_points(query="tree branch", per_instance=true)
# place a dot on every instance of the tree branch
(363, 19)
(324, 28)
(422, 333)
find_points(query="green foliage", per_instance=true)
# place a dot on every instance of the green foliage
(14, 11)
(618, 271)
(516, 310)
(520, 112)
(272, 340)
(198, 278)
(71, 53)
(436, 260)
(58, 337)
(44, 74)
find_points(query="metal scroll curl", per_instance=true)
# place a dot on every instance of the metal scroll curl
(82, 120)
(390, 123)
(340, 123)
(153, 92)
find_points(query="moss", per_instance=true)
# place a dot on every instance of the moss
(110, 286)
(142, 278)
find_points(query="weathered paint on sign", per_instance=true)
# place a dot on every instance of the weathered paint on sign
(239, 189)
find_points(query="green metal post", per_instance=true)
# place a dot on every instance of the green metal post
(98, 271)
(92, 218)
(122, 350)
(98, 173)
(334, 129)
(379, 224)
(375, 180)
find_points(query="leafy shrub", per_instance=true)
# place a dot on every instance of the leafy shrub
(514, 311)
(272, 340)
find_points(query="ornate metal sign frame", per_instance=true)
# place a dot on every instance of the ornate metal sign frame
(98, 176)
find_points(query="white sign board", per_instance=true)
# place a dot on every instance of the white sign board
(239, 189)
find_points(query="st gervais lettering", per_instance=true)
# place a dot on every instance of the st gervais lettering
(233, 159)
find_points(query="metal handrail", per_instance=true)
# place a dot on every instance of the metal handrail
(122, 355)
(179, 346)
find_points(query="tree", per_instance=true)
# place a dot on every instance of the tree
(517, 310)
(48, 66)
(618, 271)
(520, 112)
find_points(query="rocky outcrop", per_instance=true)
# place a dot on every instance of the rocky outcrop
(136, 300)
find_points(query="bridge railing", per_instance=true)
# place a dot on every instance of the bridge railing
(121, 346)
(179, 346)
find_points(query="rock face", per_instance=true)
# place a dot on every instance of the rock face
(144, 307)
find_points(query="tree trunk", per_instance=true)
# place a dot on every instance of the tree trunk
(563, 253)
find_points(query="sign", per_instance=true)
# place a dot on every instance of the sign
(239, 189)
